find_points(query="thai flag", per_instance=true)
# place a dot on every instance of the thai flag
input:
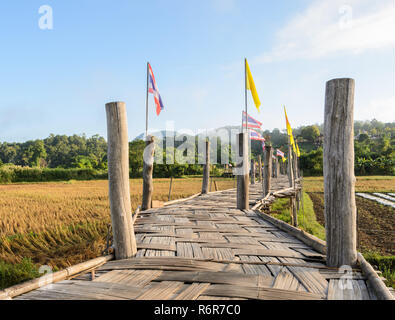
(263, 146)
(250, 122)
(279, 153)
(255, 135)
(153, 88)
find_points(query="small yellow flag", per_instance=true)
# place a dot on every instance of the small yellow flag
(250, 85)
(297, 150)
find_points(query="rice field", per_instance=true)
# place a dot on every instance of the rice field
(363, 184)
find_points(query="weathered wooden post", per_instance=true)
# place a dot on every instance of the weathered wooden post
(289, 169)
(281, 166)
(252, 171)
(276, 168)
(118, 181)
(171, 184)
(148, 168)
(296, 175)
(339, 179)
(292, 200)
(242, 173)
(260, 168)
(295, 165)
(206, 169)
(273, 165)
(294, 213)
(267, 172)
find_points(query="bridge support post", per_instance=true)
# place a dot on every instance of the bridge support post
(206, 168)
(252, 172)
(289, 168)
(339, 179)
(118, 179)
(242, 173)
(267, 170)
(295, 165)
(280, 163)
(276, 168)
(260, 168)
(292, 200)
(148, 168)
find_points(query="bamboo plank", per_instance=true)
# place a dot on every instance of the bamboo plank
(268, 253)
(161, 291)
(157, 246)
(162, 263)
(255, 293)
(192, 292)
(286, 281)
(135, 278)
(231, 278)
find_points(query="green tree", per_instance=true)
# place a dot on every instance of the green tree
(136, 151)
(310, 133)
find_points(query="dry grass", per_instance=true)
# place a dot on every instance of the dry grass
(363, 184)
(64, 223)
(39, 207)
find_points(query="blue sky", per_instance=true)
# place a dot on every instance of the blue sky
(58, 81)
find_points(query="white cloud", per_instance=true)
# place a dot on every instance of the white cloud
(331, 27)
(382, 109)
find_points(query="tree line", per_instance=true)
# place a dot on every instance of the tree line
(83, 157)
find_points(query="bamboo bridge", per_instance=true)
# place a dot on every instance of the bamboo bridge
(205, 248)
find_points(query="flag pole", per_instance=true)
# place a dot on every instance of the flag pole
(146, 105)
(245, 91)
(246, 104)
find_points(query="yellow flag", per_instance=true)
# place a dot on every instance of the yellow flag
(297, 150)
(289, 131)
(250, 85)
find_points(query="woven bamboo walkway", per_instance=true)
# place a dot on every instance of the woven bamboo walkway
(205, 248)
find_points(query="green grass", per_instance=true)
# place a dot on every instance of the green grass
(11, 273)
(308, 222)
(306, 218)
(386, 264)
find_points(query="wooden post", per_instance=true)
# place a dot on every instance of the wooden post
(206, 170)
(148, 168)
(295, 176)
(118, 181)
(293, 212)
(281, 166)
(295, 165)
(252, 172)
(267, 172)
(242, 173)
(260, 168)
(273, 165)
(339, 179)
(289, 169)
(277, 168)
(171, 183)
